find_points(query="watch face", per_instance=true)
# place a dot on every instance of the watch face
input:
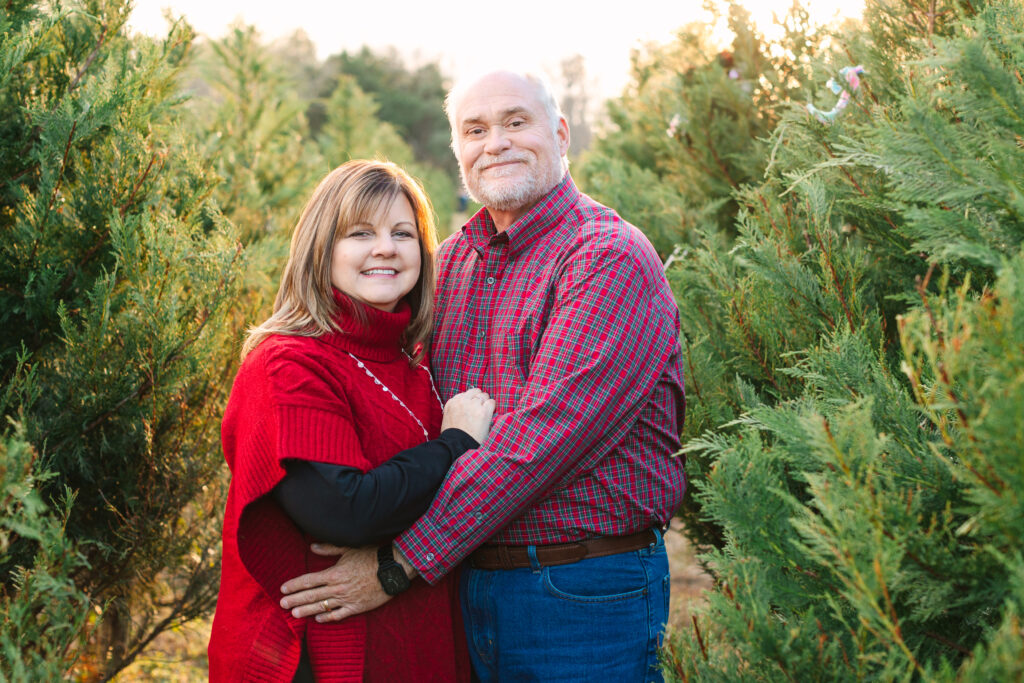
(393, 579)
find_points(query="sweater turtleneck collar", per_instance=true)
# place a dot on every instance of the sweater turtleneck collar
(378, 338)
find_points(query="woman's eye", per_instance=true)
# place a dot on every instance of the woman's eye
(404, 234)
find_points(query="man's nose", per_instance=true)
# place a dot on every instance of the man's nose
(497, 141)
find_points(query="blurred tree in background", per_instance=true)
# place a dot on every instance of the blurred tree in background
(850, 293)
(411, 100)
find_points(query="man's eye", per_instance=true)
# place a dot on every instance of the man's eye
(518, 123)
(475, 131)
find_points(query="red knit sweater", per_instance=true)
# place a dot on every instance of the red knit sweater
(306, 398)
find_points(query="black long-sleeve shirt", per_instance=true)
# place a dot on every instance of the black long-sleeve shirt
(345, 506)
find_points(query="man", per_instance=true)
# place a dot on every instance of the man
(559, 310)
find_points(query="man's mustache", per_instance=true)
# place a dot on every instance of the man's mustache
(484, 164)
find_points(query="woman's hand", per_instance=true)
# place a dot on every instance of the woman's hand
(471, 411)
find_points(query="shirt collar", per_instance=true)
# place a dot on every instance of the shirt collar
(544, 216)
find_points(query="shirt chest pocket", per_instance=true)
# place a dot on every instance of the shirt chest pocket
(517, 333)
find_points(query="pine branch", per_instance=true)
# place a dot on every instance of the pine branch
(922, 287)
(752, 345)
(768, 213)
(122, 210)
(692, 383)
(892, 615)
(835, 280)
(89, 60)
(718, 160)
(949, 643)
(56, 190)
(700, 639)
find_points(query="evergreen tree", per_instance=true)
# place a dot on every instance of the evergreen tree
(250, 116)
(411, 100)
(42, 627)
(690, 127)
(115, 293)
(853, 340)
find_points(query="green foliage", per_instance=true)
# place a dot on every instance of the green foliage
(411, 100)
(116, 294)
(42, 612)
(852, 330)
(690, 128)
(249, 117)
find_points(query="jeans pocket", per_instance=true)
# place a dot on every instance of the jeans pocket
(601, 579)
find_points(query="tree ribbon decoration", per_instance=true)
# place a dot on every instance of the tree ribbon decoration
(851, 74)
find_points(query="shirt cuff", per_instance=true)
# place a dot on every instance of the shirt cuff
(424, 555)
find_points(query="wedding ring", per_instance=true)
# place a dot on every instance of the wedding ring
(327, 608)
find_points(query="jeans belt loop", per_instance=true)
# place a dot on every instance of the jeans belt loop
(531, 550)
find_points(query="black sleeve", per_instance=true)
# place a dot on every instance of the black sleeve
(344, 506)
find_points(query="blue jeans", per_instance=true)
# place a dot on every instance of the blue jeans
(596, 619)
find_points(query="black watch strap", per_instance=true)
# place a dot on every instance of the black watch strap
(391, 575)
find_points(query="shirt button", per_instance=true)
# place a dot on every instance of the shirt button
(430, 557)
(490, 280)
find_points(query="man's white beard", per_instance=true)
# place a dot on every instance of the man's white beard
(500, 195)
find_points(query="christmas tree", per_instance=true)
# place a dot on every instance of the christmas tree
(853, 340)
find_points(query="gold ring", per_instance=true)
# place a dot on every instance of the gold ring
(327, 608)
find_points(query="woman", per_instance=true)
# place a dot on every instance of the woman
(331, 387)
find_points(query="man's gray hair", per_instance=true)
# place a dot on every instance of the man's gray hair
(544, 92)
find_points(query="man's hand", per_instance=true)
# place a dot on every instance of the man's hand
(349, 587)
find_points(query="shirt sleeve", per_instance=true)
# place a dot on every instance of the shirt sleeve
(612, 329)
(348, 507)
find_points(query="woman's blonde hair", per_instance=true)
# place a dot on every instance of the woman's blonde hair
(350, 194)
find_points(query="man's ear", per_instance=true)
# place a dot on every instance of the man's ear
(562, 133)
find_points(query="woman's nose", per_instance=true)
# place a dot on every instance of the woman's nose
(384, 245)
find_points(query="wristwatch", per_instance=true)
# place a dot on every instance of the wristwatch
(390, 574)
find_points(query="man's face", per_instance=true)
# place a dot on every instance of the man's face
(508, 152)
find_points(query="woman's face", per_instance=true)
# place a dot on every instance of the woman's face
(378, 262)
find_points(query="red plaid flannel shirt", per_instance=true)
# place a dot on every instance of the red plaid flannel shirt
(567, 321)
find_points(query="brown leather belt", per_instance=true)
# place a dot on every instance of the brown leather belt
(517, 556)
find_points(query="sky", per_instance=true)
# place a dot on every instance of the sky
(464, 37)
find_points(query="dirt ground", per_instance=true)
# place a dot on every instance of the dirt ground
(180, 656)
(689, 580)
